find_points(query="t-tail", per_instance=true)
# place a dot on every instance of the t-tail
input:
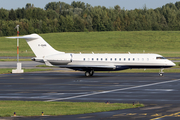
(38, 45)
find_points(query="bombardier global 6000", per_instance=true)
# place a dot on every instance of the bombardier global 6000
(92, 62)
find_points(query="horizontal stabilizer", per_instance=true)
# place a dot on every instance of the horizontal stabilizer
(38, 45)
(23, 37)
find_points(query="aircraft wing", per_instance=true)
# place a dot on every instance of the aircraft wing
(109, 66)
(94, 67)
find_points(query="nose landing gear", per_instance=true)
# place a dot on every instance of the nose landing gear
(161, 72)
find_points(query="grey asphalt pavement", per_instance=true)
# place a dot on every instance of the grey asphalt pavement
(25, 64)
(161, 95)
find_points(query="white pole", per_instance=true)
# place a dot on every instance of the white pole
(19, 65)
(17, 43)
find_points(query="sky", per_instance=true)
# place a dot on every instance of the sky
(127, 4)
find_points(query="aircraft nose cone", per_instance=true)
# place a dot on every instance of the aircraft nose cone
(173, 64)
(170, 63)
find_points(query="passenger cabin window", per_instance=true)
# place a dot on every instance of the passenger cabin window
(142, 59)
(124, 59)
(84, 59)
(101, 59)
(147, 59)
(119, 59)
(160, 58)
(111, 59)
(92, 59)
(97, 59)
(133, 59)
(115, 59)
(129, 59)
(106, 59)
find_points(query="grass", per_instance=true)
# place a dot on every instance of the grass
(165, 43)
(6, 60)
(46, 66)
(9, 70)
(35, 108)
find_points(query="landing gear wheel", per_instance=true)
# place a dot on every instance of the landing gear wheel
(91, 72)
(87, 73)
(161, 72)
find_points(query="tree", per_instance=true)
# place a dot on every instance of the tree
(66, 24)
(19, 14)
(38, 13)
(78, 4)
(4, 14)
(12, 15)
(117, 8)
(117, 24)
(177, 4)
(29, 6)
(51, 14)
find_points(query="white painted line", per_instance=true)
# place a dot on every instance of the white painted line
(96, 93)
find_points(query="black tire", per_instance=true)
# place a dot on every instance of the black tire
(87, 73)
(161, 74)
(91, 72)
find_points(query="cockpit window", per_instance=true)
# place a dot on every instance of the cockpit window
(160, 58)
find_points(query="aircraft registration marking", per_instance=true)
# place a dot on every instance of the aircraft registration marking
(42, 45)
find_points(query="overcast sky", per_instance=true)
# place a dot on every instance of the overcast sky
(127, 4)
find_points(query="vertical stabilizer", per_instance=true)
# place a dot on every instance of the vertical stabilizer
(38, 45)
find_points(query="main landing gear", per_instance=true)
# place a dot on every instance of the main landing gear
(161, 72)
(89, 73)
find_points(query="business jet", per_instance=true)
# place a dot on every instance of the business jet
(92, 62)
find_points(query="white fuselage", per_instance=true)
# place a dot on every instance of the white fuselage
(111, 61)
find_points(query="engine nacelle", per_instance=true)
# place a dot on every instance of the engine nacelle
(59, 59)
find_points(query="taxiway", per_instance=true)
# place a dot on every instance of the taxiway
(161, 95)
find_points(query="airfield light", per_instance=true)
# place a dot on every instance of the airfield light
(14, 113)
(107, 102)
(42, 113)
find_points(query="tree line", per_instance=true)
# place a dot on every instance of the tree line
(80, 17)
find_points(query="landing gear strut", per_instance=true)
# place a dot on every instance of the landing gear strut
(161, 72)
(89, 73)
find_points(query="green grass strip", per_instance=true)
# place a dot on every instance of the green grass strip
(7, 60)
(46, 66)
(9, 70)
(35, 108)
